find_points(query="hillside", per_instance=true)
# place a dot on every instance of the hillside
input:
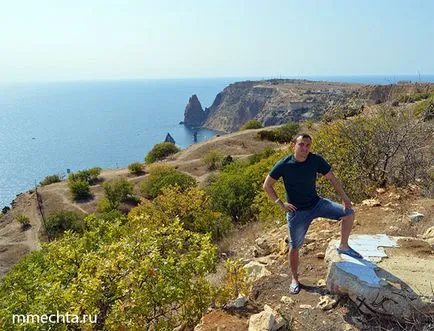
(278, 101)
(388, 214)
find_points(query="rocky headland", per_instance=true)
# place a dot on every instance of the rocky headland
(278, 101)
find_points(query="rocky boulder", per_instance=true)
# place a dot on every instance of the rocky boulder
(393, 283)
(194, 115)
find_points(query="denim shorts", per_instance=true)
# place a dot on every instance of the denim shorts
(299, 220)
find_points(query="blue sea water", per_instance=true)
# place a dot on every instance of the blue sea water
(46, 128)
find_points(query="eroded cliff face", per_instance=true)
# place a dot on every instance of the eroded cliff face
(194, 115)
(278, 101)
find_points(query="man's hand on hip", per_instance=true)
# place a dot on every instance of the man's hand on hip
(347, 204)
(289, 207)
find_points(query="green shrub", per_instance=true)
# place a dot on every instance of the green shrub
(116, 191)
(213, 159)
(135, 168)
(267, 152)
(424, 108)
(236, 282)
(373, 151)
(233, 194)
(132, 278)
(163, 176)
(50, 180)
(227, 160)
(283, 134)
(251, 124)
(193, 208)
(23, 220)
(160, 152)
(59, 222)
(88, 175)
(80, 189)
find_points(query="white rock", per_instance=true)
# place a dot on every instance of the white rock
(416, 216)
(399, 290)
(321, 282)
(262, 321)
(256, 270)
(429, 233)
(326, 302)
(306, 307)
(238, 302)
(287, 300)
(371, 202)
(278, 320)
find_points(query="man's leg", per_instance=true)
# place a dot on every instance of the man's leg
(298, 223)
(346, 227)
(294, 261)
(332, 210)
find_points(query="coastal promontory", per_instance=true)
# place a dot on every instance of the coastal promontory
(277, 101)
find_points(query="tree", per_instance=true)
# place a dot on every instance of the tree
(59, 222)
(161, 151)
(251, 124)
(80, 189)
(233, 194)
(116, 191)
(161, 176)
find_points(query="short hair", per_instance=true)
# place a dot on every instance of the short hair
(302, 135)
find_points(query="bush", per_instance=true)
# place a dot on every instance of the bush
(251, 124)
(267, 152)
(23, 220)
(283, 134)
(80, 189)
(160, 152)
(213, 159)
(236, 282)
(59, 222)
(162, 176)
(192, 207)
(227, 160)
(50, 180)
(233, 194)
(379, 150)
(130, 277)
(136, 168)
(116, 191)
(88, 175)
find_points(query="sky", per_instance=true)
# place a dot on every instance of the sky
(48, 40)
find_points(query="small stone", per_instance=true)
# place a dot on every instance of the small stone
(306, 307)
(429, 233)
(287, 301)
(238, 302)
(261, 321)
(320, 255)
(380, 190)
(416, 216)
(326, 302)
(371, 202)
(321, 282)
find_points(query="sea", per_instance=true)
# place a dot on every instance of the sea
(54, 127)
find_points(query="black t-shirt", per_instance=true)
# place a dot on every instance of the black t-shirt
(300, 178)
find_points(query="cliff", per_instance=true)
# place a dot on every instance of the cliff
(278, 101)
(194, 114)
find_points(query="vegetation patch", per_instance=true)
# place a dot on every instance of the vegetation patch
(161, 151)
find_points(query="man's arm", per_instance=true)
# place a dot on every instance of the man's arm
(268, 188)
(338, 188)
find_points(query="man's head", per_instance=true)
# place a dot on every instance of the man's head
(302, 146)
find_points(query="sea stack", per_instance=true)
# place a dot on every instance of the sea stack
(194, 115)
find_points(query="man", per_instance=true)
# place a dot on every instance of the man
(303, 204)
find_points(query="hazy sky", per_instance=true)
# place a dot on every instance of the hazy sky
(105, 39)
